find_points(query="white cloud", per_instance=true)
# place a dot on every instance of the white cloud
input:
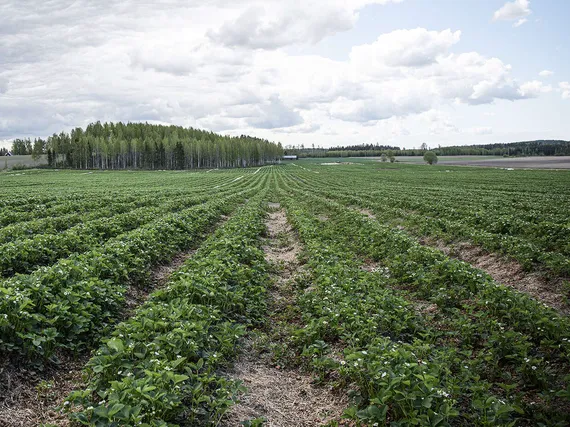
(534, 88)
(273, 113)
(3, 85)
(545, 73)
(564, 89)
(511, 11)
(6, 143)
(439, 123)
(272, 24)
(520, 22)
(480, 130)
(405, 48)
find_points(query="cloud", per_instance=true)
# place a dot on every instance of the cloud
(405, 48)
(534, 88)
(182, 58)
(480, 130)
(546, 73)
(273, 24)
(274, 114)
(303, 128)
(520, 22)
(564, 89)
(363, 111)
(511, 11)
(3, 85)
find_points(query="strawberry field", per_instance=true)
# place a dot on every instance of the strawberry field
(381, 307)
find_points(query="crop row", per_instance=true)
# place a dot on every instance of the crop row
(496, 223)
(23, 256)
(485, 355)
(528, 252)
(107, 208)
(52, 225)
(26, 255)
(160, 366)
(91, 198)
(67, 304)
(382, 242)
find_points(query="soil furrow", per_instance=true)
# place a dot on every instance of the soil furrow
(508, 272)
(279, 396)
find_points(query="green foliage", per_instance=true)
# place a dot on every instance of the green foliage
(412, 335)
(147, 146)
(430, 158)
(68, 304)
(161, 364)
(412, 367)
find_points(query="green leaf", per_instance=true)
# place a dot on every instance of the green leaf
(180, 378)
(115, 344)
(115, 408)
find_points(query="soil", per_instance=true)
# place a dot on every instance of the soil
(366, 212)
(508, 272)
(283, 397)
(29, 397)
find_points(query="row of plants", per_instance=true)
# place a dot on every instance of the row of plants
(69, 205)
(161, 366)
(384, 242)
(79, 226)
(24, 256)
(53, 225)
(498, 224)
(69, 303)
(20, 207)
(485, 355)
(107, 208)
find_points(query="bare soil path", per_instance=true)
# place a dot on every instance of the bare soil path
(549, 291)
(282, 397)
(509, 272)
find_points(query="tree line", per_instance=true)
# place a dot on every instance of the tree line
(148, 146)
(524, 148)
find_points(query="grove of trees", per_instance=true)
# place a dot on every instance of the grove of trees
(148, 146)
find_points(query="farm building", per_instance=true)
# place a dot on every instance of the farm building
(293, 157)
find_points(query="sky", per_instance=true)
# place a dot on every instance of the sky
(310, 72)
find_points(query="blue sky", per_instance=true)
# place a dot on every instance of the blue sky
(318, 72)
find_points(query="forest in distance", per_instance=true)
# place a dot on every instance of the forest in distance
(512, 149)
(147, 146)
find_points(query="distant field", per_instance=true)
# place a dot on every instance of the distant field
(8, 162)
(561, 162)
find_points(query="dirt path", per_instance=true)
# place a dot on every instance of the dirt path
(282, 397)
(508, 272)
